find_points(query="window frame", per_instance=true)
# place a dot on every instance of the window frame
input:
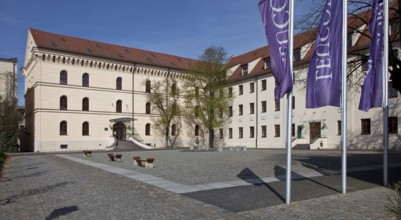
(85, 128)
(63, 128)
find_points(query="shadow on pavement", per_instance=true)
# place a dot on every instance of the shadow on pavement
(62, 211)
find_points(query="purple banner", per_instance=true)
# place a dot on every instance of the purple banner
(276, 20)
(372, 89)
(323, 87)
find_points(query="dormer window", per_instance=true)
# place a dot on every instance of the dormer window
(267, 63)
(297, 55)
(244, 69)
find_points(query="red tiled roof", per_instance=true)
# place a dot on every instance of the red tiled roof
(81, 46)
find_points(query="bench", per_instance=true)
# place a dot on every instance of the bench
(148, 163)
(87, 153)
(118, 157)
(111, 157)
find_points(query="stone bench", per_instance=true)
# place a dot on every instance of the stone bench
(87, 153)
(148, 163)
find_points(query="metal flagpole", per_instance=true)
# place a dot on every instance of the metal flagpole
(344, 101)
(289, 106)
(385, 95)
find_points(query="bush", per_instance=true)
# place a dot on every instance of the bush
(394, 206)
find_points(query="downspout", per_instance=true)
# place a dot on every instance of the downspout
(257, 113)
(133, 102)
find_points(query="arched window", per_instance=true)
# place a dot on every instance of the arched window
(63, 128)
(63, 102)
(43, 57)
(148, 86)
(148, 108)
(119, 104)
(147, 129)
(85, 80)
(174, 89)
(85, 104)
(119, 83)
(174, 130)
(85, 128)
(63, 77)
(196, 130)
(197, 111)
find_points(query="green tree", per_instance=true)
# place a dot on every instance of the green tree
(205, 97)
(164, 99)
(9, 118)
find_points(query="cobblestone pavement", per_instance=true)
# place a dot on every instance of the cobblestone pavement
(47, 186)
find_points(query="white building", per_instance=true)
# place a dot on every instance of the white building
(80, 93)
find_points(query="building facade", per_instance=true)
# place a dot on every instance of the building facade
(82, 94)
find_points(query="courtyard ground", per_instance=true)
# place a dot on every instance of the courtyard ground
(195, 185)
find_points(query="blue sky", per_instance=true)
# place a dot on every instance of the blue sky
(178, 27)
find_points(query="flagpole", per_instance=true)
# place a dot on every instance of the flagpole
(344, 101)
(385, 95)
(289, 105)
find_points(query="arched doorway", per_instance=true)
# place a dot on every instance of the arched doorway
(119, 131)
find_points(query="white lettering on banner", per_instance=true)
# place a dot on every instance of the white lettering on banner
(323, 61)
(281, 36)
(380, 20)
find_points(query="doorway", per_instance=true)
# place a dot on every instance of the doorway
(119, 131)
(315, 129)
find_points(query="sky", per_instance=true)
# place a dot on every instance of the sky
(177, 27)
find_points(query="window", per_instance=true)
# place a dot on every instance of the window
(197, 111)
(63, 102)
(241, 89)
(230, 111)
(264, 85)
(251, 132)
(267, 63)
(85, 80)
(85, 104)
(349, 40)
(338, 127)
(393, 125)
(147, 129)
(230, 133)
(119, 83)
(293, 102)
(221, 113)
(119, 106)
(230, 92)
(240, 109)
(394, 28)
(244, 69)
(392, 93)
(293, 130)
(221, 93)
(85, 128)
(240, 132)
(263, 106)
(297, 55)
(277, 105)
(63, 77)
(63, 128)
(196, 91)
(251, 87)
(264, 131)
(148, 86)
(63, 146)
(251, 108)
(196, 130)
(221, 133)
(276, 130)
(147, 110)
(173, 130)
(174, 89)
(365, 126)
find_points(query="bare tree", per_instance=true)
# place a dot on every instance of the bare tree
(164, 100)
